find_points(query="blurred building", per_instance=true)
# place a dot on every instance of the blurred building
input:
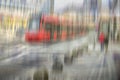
(91, 9)
(52, 6)
(14, 14)
(116, 28)
(73, 13)
(47, 7)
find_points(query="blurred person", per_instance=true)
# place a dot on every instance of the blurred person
(101, 40)
(106, 42)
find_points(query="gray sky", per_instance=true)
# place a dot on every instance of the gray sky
(105, 3)
(62, 3)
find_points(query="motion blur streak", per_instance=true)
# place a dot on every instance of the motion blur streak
(59, 40)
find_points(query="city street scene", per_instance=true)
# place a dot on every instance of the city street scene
(59, 39)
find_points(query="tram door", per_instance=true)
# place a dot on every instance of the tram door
(56, 32)
(48, 28)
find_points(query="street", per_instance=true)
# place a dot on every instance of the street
(26, 59)
(59, 40)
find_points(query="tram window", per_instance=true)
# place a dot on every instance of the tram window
(48, 26)
(77, 30)
(64, 28)
(34, 25)
(57, 27)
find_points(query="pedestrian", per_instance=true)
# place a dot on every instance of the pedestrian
(106, 43)
(101, 40)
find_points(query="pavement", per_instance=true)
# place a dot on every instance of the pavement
(22, 58)
(10, 45)
(92, 65)
(10, 37)
(18, 47)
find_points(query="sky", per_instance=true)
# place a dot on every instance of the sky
(105, 3)
(59, 4)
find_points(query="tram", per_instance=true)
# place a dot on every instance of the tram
(44, 28)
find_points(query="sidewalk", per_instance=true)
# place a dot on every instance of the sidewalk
(10, 48)
(11, 51)
(9, 37)
(116, 57)
(116, 47)
(61, 47)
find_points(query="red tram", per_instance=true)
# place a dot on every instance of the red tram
(50, 28)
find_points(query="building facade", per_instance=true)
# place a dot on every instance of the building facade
(47, 7)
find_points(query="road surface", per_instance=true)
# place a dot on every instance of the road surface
(26, 59)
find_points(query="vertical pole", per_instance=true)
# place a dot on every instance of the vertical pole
(51, 6)
(95, 19)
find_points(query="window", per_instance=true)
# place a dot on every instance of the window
(34, 25)
(48, 26)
